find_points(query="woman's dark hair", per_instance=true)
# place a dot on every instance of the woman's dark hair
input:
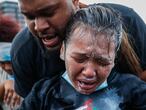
(100, 20)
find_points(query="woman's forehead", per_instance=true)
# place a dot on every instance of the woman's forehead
(91, 43)
(89, 37)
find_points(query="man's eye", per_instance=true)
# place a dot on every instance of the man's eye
(30, 17)
(48, 14)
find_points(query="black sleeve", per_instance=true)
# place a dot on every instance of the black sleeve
(137, 31)
(40, 95)
(131, 88)
(138, 100)
(22, 62)
(33, 99)
(31, 102)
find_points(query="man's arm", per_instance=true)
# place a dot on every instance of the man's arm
(22, 62)
(36, 99)
(138, 33)
(1, 91)
(136, 30)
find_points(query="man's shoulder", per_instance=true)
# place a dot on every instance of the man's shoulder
(24, 41)
(115, 6)
(22, 38)
(124, 10)
(127, 80)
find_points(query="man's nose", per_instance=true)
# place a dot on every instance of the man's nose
(41, 24)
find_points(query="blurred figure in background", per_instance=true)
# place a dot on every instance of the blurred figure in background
(8, 29)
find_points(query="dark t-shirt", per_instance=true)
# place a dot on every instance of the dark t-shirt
(30, 62)
(124, 92)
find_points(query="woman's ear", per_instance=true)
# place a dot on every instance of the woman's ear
(62, 51)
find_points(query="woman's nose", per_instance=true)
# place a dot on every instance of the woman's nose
(89, 71)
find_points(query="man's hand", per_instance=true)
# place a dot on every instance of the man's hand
(1, 91)
(10, 96)
(143, 75)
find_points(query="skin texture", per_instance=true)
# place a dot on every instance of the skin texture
(1, 91)
(88, 60)
(46, 19)
(10, 96)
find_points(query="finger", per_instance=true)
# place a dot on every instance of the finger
(9, 97)
(16, 100)
(6, 94)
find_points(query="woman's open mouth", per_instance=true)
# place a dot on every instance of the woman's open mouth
(87, 85)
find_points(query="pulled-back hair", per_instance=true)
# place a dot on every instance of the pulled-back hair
(100, 20)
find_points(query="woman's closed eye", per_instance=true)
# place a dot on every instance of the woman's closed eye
(80, 59)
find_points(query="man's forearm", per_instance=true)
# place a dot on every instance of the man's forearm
(1, 91)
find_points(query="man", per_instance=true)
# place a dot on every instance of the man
(35, 51)
(39, 55)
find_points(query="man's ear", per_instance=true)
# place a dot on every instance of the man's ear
(82, 5)
(62, 51)
(76, 4)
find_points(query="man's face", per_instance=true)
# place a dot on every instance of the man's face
(7, 66)
(88, 60)
(47, 19)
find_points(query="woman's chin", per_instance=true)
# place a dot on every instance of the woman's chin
(86, 92)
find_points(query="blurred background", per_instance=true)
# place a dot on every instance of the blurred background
(10, 7)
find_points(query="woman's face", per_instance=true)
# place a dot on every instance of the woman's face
(89, 60)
